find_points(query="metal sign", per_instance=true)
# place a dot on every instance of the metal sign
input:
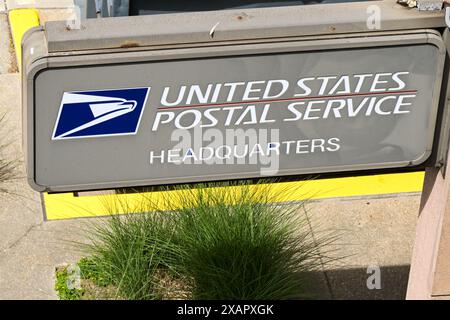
(241, 111)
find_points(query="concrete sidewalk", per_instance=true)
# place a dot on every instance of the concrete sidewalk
(7, 60)
(29, 248)
(373, 232)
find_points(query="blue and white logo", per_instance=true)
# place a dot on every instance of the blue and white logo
(86, 114)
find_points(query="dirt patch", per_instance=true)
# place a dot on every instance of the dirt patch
(171, 288)
(95, 292)
(166, 287)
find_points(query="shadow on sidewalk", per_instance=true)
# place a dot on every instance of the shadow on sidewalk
(351, 284)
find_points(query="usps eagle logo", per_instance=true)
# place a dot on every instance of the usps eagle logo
(88, 114)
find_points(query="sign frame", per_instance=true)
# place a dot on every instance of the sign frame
(43, 60)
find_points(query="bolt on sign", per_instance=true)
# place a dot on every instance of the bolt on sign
(152, 100)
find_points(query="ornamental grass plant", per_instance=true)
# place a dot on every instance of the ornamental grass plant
(230, 241)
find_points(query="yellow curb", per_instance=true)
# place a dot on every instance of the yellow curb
(20, 21)
(68, 206)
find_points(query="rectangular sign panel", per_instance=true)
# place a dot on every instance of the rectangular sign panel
(276, 112)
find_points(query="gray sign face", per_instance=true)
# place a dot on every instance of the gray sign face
(202, 119)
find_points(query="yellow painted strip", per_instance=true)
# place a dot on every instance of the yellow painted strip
(67, 206)
(20, 21)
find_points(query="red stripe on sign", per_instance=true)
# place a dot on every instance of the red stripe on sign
(225, 104)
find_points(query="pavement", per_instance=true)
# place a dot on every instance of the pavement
(6, 58)
(30, 248)
(370, 232)
(376, 231)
